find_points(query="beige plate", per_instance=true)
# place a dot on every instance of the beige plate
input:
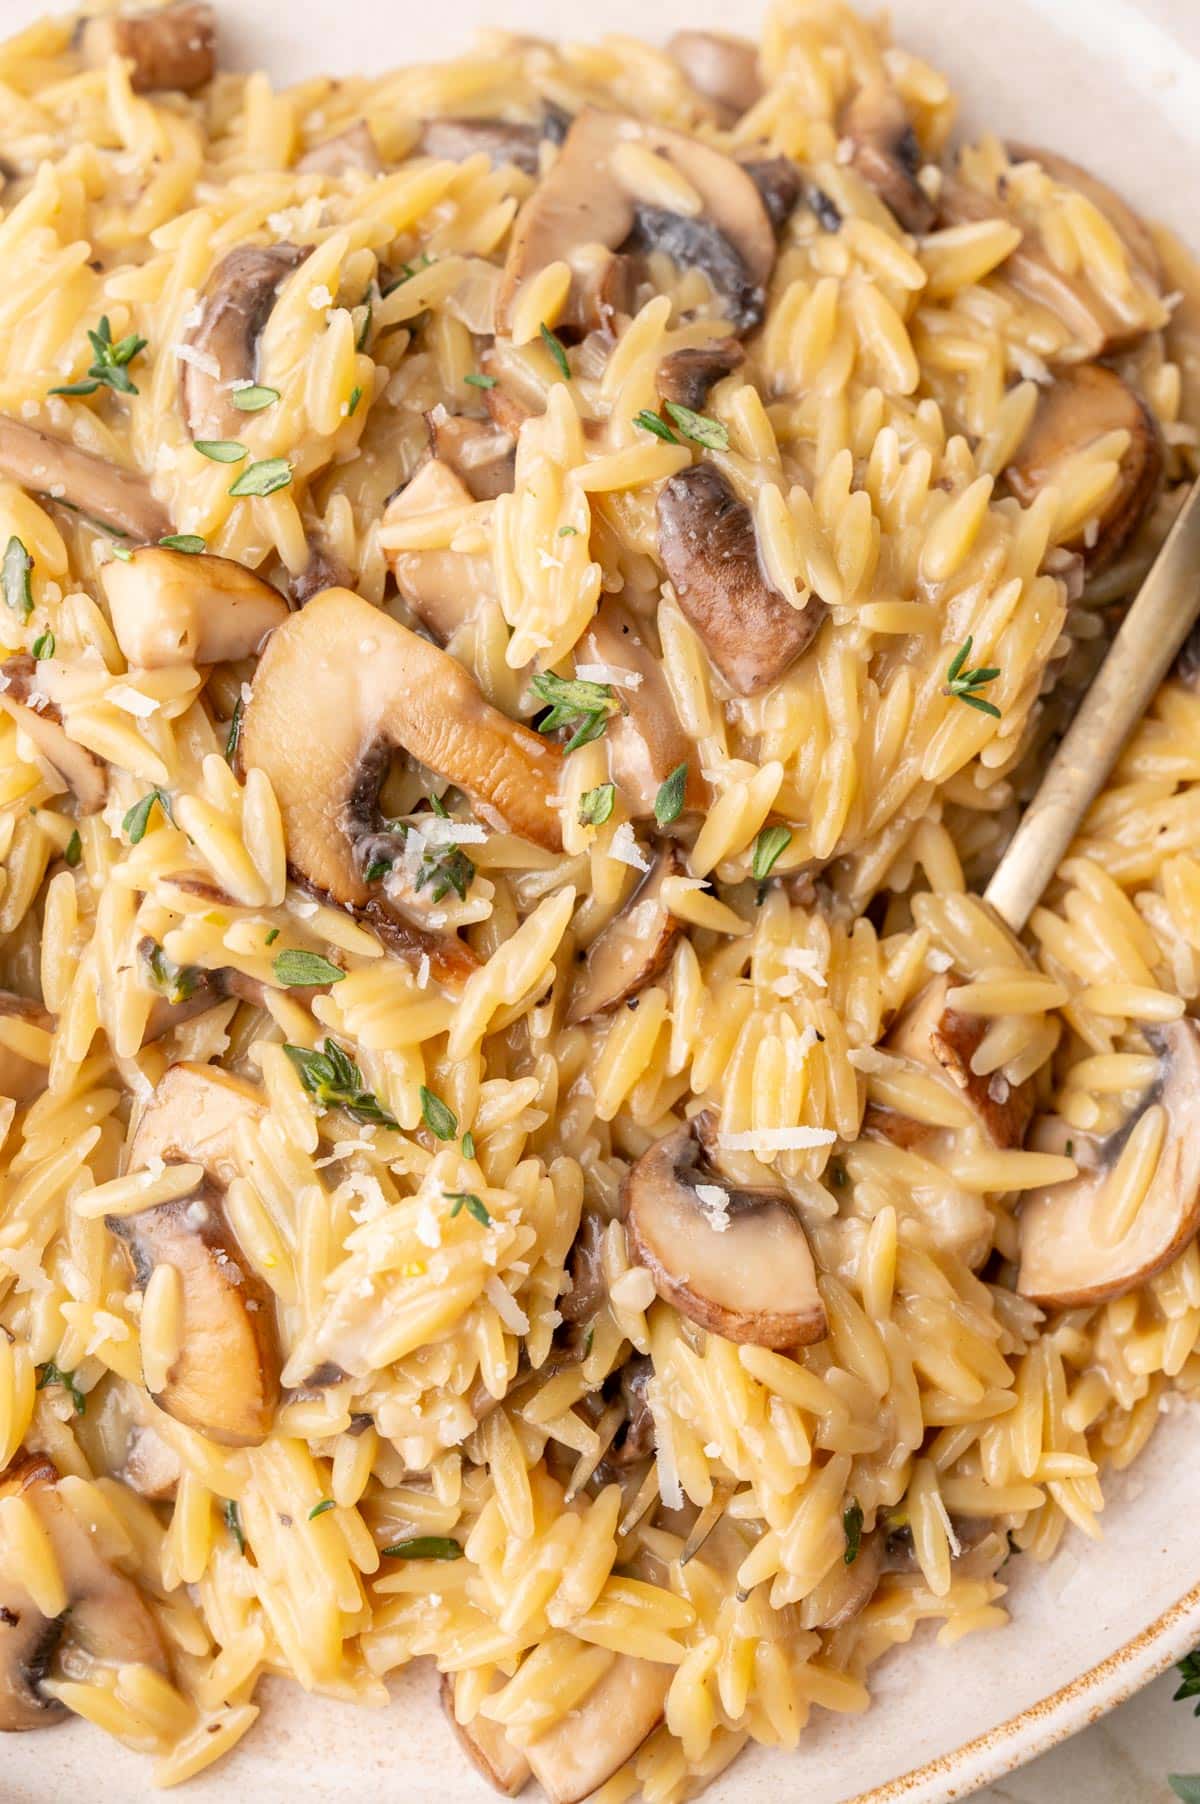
(1117, 85)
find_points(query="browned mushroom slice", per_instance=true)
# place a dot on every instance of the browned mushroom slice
(479, 452)
(353, 149)
(178, 607)
(586, 1293)
(339, 686)
(1080, 406)
(723, 69)
(635, 1439)
(632, 949)
(645, 740)
(443, 588)
(500, 140)
(601, 1733)
(943, 1041)
(886, 154)
(1078, 1246)
(41, 722)
(105, 1614)
(51, 466)
(486, 1746)
(22, 1079)
(235, 306)
(151, 1468)
(780, 182)
(1118, 212)
(580, 208)
(194, 1114)
(173, 47)
(736, 1262)
(845, 1590)
(687, 376)
(324, 570)
(708, 547)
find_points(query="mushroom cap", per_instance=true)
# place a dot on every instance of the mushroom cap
(686, 376)
(1084, 402)
(354, 148)
(886, 154)
(177, 607)
(754, 1281)
(708, 547)
(46, 465)
(235, 306)
(632, 949)
(932, 1034)
(479, 452)
(170, 48)
(1066, 1260)
(444, 589)
(604, 1730)
(502, 141)
(645, 740)
(486, 1745)
(39, 718)
(723, 69)
(339, 681)
(193, 1115)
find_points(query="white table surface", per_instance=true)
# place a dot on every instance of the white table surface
(1123, 1759)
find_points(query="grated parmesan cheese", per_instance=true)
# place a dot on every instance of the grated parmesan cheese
(506, 1306)
(132, 701)
(319, 297)
(714, 1204)
(777, 1140)
(438, 832)
(199, 360)
(625, 849)
(609, 673)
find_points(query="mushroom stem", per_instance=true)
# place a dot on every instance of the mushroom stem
(51, 466)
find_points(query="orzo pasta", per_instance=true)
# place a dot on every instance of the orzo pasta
(535, 590)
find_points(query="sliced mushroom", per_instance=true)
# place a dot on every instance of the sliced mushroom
(632, 949)
(486, 1746)
(645, 740)
(709, 548)
(479, 452)
(581, 205)
(1068, 1261)
(235, 306)
(41, 721)
(23, 1079)
(635, 1440)
(944, 1042)
(603, 1731)
(1081, 405)
(723, 69)
(443, 588)
(101, 491)
(686, 376)
(736, 1262)
(353, 149)
(188, 991)
(172, 47)
(152, 1468)
(105, 1614)
(501, 141)
(846, 1590)
(886, 154)
(324, 570)
(1118, 212)
(338, 687)
(194, 1114)
(780, 182)
(588, 1289)
(179, 607)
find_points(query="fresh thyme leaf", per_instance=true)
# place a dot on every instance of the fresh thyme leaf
(254, 399)
(567, 532)
(52, 1374)
(18, 566)
(962, 683)
(271, 937)
(220, 450)
(43, 646)
(407, 272)
(837, 1174)
(654, 422)
(439, 807)
(668, 803)
(234, 736)
(138, 818)
(334, 1081)
(297, 969)
(478, 380)
(176, 982)
(1185, 1786)
(699, 427)
(319, 1509)
(596, 805)
(424, 1547)
(574, 699)
(771, 842)
(233, 1522)
(446, 868)
(74, 851)
(365, 328)
(466, 1199)
(555, 347)
(588, 1339)
(1189, 1673)
(263, 478)
(122, 553)
(109, 368)
(190, 542)
(468, 1145)
(355, 398)
(441, 1121)
(376, 870)
(852, 1521)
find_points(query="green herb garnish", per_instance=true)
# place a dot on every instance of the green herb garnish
(110, 368)
(441, 1121)
(122, 553)
(1185, 1786)
(43, 646)
(654, 422)
(377, 869)
(446, 868)
(271, 937)
(596, 805)
(263, 478)
(1189, 1673)
(355, 398)
(468, 1145)
(567, 532)
(254, 398)
(52, 1374)
(233, 1522)
(191, 542)
(962, 683)
(364, 329)
(138, 817)
(296, 969)
(770, 843)
(478, 380)
(424, 1547)
(699, 427)
(571, 699)
(74, 851)
(220, 450)
(319, 1509)
(234, 736)
(852, 1521)
(555, 347)
(176, 982)
(18, 566)
(668, 803)
(466, 1199)
(335, 1082)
